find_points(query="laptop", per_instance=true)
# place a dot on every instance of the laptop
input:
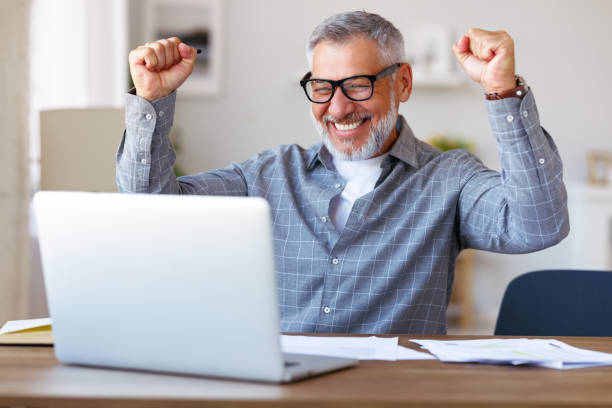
(178, 284)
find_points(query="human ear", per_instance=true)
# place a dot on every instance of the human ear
(405, 82)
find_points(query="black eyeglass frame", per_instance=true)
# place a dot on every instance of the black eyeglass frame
(340, 83)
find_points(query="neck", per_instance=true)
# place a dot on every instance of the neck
(388, 143)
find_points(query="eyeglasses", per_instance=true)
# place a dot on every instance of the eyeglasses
(356, 88)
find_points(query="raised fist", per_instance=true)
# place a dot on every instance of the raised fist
(160, 67)
(488, 58)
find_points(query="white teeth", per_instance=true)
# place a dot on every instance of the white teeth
(348, 126)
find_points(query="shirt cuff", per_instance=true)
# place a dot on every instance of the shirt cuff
(149, 116)
(147, 124)
(513, 118)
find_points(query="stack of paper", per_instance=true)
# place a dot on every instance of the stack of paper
(27, 332)
(14, 326)
(362, 348)
(539, 352)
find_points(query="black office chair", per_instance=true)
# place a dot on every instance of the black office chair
(557, 303)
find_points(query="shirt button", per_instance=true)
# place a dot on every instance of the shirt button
(326, 310)
(324, 219)
(338, 185)
(525, 114)
(144, 161)
(149, 116)
(335, 261)
(161, 113)
(509, 118)
(542, 161)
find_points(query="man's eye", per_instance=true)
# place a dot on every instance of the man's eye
(357, 87)
(321, 88)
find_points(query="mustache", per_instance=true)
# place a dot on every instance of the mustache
(351, 117)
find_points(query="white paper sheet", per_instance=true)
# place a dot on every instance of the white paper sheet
(538, 352)
(18, 325)
(362, 348)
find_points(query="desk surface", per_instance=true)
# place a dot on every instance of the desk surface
(31, 376)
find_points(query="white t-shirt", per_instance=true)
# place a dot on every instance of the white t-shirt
(361, 177)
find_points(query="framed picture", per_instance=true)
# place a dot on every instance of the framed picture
(599, 167)
(199, 24)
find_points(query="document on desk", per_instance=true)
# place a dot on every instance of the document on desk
(14, 326)
(537, 352)
(27, 332)
(362, 348)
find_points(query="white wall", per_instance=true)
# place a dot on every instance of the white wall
(562, 49)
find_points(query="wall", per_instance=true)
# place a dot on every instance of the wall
(14, 185)
(562, 49)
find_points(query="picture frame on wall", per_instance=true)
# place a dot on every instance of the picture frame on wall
(599, 167)
(197, 23)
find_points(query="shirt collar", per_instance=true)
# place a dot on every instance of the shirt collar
(315, 153)
(403, 149)
(319, 153)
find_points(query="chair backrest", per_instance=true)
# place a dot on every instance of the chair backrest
(557, 303)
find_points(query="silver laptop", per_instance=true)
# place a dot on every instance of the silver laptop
(180, 284)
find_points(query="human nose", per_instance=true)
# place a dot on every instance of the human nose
(340, 105)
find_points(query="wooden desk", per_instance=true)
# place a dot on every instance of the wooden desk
(30, 376)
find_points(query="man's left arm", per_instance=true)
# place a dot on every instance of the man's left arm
(525, 208)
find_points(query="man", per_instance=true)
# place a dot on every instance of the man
(367, 224)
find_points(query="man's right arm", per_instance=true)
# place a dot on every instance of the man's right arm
(145, 160)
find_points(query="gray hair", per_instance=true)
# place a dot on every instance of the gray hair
(343, 27)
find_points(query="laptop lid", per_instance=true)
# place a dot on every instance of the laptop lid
(159, 282)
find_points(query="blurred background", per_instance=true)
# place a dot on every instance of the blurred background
(64, 74)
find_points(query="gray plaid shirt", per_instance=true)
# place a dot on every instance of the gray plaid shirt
(391, 269)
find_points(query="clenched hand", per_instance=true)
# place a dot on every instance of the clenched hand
(160, 67)
(488, 58)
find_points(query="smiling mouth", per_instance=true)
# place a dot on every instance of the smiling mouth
(345, 127)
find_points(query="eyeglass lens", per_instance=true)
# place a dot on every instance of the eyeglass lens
(359, 88)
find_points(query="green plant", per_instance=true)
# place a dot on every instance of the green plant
(446, 141)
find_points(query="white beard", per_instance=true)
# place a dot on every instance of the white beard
(376, 139)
